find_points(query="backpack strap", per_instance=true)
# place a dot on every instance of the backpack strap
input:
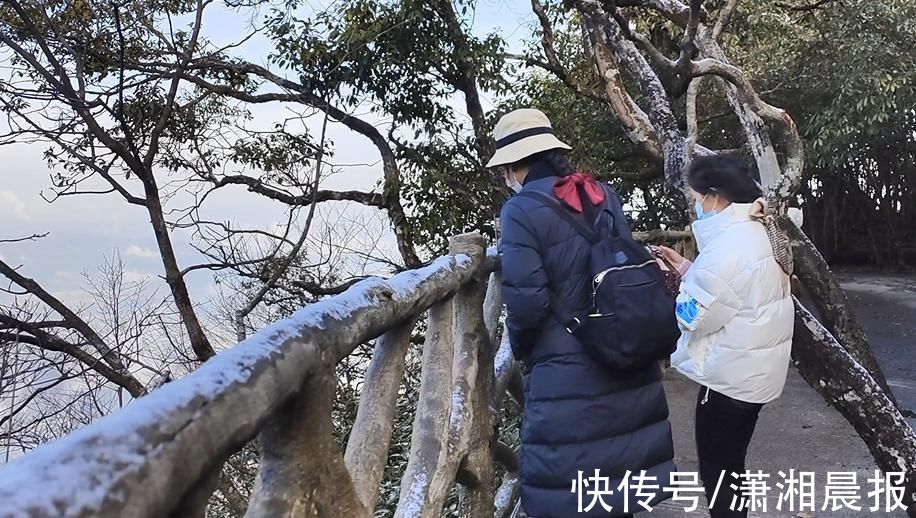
(591, 234)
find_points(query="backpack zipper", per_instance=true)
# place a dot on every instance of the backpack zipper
(597, 280)
(705, 397)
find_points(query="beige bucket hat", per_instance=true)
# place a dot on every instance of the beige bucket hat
(522, 133)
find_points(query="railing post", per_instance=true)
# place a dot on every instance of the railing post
(367, 448)
(478, 318)
(449, 390)
(302, 473)
(428, 439)
(195, 503)
(505, 370)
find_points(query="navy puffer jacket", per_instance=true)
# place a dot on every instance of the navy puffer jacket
(579, 416)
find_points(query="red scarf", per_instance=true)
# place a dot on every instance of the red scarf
(566, 189)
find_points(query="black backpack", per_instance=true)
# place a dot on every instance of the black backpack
(629, 323)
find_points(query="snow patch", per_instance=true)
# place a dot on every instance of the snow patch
(458, 409)
(505, 493)
(504, 357)
(412, 503)
(851, 397)
(406, 282)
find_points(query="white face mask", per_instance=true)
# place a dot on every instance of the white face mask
(511, 182)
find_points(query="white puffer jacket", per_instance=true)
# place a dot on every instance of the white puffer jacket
(735, 310)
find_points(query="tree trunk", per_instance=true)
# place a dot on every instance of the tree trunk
(833, 306)
(755, 130)
(428, 442)
(475, 309)
(199, 341)
(848, 387)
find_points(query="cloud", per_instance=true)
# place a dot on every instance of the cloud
(74, 298)
(14, 205)
(135, 276)
(139, 251)
(66, 276)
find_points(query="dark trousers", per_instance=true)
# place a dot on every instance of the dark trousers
(724, 427)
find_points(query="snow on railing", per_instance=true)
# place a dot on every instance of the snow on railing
(162, 455)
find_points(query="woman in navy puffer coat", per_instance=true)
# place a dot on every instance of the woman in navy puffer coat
(579, 416)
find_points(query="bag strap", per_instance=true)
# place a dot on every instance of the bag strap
(591, 234)
(619, 225)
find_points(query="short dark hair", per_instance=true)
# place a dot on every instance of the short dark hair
(725, 175)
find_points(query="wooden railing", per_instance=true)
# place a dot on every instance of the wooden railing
(163, 454)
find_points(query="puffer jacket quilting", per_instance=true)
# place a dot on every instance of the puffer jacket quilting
(740, 339)
(578, 415)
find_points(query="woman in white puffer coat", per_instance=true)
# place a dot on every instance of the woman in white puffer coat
(736, 315)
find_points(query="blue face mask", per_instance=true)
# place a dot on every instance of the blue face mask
(702, 214)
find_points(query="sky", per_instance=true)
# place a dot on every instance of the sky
(84, 230)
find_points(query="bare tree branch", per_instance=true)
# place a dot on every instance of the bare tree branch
(319, 290)
(72, 319)
(560, 73)
(547, 38)
(639, 129)
(819, 4)
(791, 175)
(693, 91)
(33, 237)
(391, 192)
(284, 264)
(45, 340)
(755, 131)
(153, 146)
(725, 16)
(61, 89)
(671, 9)
(607, 31)
(255, 185)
